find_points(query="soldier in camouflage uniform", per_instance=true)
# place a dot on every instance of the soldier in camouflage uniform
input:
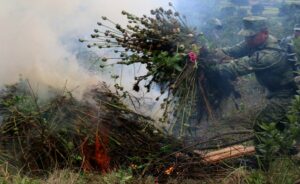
(296, 33)
(261, 54)
(289, 42)
(292, 45)
(295, 40)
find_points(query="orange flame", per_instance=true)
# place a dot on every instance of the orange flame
(101, 155)
(169, 170)
(95, 157)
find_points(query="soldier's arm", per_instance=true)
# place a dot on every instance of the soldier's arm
(259, 61)
(237, 51)
(235, 68)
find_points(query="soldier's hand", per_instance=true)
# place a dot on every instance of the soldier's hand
(220, 55)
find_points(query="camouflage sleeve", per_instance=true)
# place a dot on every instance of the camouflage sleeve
(259, 61)
(237, 51)
(235, 68)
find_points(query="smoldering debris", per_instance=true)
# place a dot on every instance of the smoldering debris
(96, 134)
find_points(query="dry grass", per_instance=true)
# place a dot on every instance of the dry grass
(283, 171)
(64, 176)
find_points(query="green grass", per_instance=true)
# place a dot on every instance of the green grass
(282, 171)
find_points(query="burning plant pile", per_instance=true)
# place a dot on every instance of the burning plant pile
(175, 57)
(97, 134)
(64, 132)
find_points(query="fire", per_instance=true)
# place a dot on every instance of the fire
(169, 170)
(95, 157)
(101, 155)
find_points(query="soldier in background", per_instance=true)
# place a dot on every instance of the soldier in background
(292, 45)
(290, 39)
(215, 27)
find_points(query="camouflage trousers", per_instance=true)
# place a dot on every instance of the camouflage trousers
(274, 112)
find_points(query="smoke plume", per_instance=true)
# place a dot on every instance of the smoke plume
(35, 33)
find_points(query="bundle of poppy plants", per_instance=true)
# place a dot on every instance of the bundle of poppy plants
(174, 56)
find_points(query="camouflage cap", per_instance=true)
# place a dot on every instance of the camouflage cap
(253, 25)
(297, 27)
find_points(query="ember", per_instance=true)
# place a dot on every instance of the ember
(169, 170)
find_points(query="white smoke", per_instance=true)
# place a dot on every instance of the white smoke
(32, 37)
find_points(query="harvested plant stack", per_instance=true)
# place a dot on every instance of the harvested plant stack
(175, 57)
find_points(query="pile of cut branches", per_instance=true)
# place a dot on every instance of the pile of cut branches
(62, 131)
(97, 134)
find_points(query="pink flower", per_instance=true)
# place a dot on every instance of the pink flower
(192, 56)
